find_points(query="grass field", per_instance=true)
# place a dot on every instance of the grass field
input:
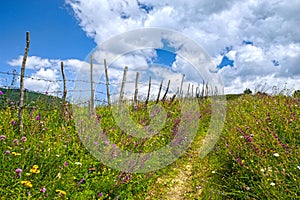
(256, 157)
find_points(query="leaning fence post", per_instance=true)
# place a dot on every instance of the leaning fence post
(159, 91)
(65, 89)
(165, 95)
(107, 83)
(21, 105)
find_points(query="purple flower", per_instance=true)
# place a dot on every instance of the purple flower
(1, 92)
(43, 190)
(23, 139)
(80, 182)
(2, 137)
(12, 103)
(12, 122)
(7, 152)
(16, 141)
(66, 164)
(18, 171)
(38, 117)
(100, 194)
(114, 145)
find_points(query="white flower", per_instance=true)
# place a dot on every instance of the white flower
(272, 184)
(78, 163)
(262, 170)
(276, 154)
(298, 167)
(213, 172)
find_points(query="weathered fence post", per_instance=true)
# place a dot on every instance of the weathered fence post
(92, 85)
(136, 89)
(21, 105)
(123, 86)
(165, 95)
(148, 95)
(64, 90)
(159, 91)
(107, 83)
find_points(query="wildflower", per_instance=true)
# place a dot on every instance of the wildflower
(18, 171)
(262, 170)
(213, 172)
(7, 152)
(114, 145)
(12, 122)
(23, 139)
(61, 192)
(272, 184)
(15, 154)
(16, 141)
(26, 184)
(298, 167)
(27, 174)
(247, 188)
(57, 155)
(43, 190)
(80, 182)
(2, 137)
(78, 163)
(34, 169)
(66, 164)
(100, 194)
(38, 117)
(276, 154)
(1, 93)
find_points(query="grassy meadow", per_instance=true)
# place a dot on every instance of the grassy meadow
(256, 157)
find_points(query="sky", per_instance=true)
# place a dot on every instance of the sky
(253, 44)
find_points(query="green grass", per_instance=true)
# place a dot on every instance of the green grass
(243, 165)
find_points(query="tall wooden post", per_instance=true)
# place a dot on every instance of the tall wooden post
(21, 105)
(136, 89)
(165, 95)
(123, 85)
(148, 95)
(92, 85)
(107, 83)
(159, 91)
(64, 89)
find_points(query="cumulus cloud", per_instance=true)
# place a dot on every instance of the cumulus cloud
(271, 27)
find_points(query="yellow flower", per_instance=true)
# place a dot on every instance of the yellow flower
(26, 184)
(16, 154)
(61, 192)
(27, 174)
(34, 169)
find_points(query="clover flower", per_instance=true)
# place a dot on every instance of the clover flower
(26, 184)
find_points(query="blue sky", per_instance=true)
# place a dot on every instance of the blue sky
(55, 33)
(249, 42)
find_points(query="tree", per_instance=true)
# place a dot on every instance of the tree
(247, 91)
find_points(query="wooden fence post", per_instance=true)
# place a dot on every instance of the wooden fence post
(107, 83)
(64, 90)
(148, 95)
(159, 91)
(92, 86)
(165, 95)
(136, 89)
(123, 86)
(21, 105)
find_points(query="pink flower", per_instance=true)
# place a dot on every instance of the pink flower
(7, 152)
(38, 117)
(23, 139)
(2, 137)
(100, 194)
(18, 171)
(66, 164)
(43, 190)
(1, 92)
